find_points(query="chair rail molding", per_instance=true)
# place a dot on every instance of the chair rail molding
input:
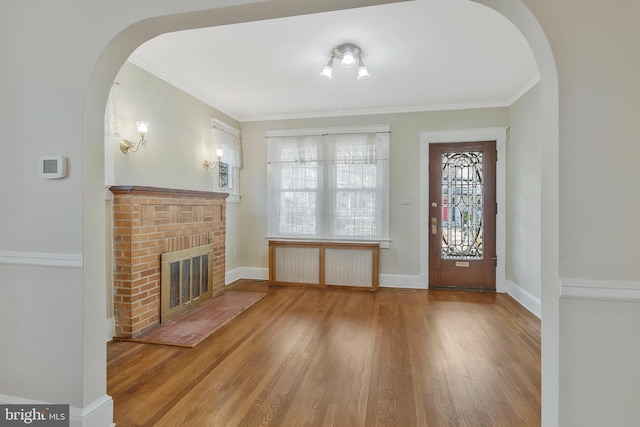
(608, 290)
(38, 259)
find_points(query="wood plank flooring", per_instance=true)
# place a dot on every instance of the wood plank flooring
(332, 357)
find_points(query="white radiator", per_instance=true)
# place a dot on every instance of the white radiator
(353, 265)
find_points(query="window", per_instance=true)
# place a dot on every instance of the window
(228, 138)
(329, 183)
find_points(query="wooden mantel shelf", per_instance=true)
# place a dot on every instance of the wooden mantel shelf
(123, 189)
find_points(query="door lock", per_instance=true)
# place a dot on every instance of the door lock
(434, 225)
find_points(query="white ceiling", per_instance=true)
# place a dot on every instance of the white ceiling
(422, 55)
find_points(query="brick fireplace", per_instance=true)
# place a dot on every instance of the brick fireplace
(148, 222)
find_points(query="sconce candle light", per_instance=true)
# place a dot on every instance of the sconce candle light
(207, 164)
(222, 168)
(127, 146)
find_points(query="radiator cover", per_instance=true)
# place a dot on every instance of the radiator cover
(321, 264)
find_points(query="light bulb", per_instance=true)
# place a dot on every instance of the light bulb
(143, 127)
(348, 60)
(328, 69)
(363, 73)
(219, 152)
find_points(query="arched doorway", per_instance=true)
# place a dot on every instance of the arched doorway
(526, 22)
(130, 38)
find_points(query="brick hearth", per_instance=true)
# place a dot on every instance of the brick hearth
(147, 222)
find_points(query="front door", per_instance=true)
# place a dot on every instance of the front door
(462, 215)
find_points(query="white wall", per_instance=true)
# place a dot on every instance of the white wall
(41, 349)
(523, 263)
(403, 256)
(179, 137)
(597, 55)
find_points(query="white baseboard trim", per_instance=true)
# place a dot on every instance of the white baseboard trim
(525, 298)
(41, 259)
(386, 280)
(111, 328)
(608, 290)
(97, 414)
(402, 281)
(252, 273)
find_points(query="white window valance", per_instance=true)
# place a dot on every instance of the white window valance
(227, 138)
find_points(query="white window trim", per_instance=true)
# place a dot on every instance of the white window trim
(498, 134)
(234, 197)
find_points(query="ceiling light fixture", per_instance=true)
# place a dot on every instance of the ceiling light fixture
(349, 54)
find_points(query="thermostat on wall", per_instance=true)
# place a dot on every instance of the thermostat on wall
(53, 167)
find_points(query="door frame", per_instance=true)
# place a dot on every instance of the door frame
(498, 134)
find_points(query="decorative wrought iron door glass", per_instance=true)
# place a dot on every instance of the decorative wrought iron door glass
(462, 205)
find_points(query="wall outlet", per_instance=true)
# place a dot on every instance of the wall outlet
(406, 198)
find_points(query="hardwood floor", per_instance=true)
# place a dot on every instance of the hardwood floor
(332, 357)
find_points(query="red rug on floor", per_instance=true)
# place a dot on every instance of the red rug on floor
(193, 327)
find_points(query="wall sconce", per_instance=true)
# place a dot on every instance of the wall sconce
(222, 168)
(127, 146)
(207, 164)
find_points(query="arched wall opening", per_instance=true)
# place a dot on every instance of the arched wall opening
(94, 233)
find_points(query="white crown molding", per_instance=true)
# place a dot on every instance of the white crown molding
(608, 290)
(41, 259)
(148, 67)
(524, 89)
(376, 111)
